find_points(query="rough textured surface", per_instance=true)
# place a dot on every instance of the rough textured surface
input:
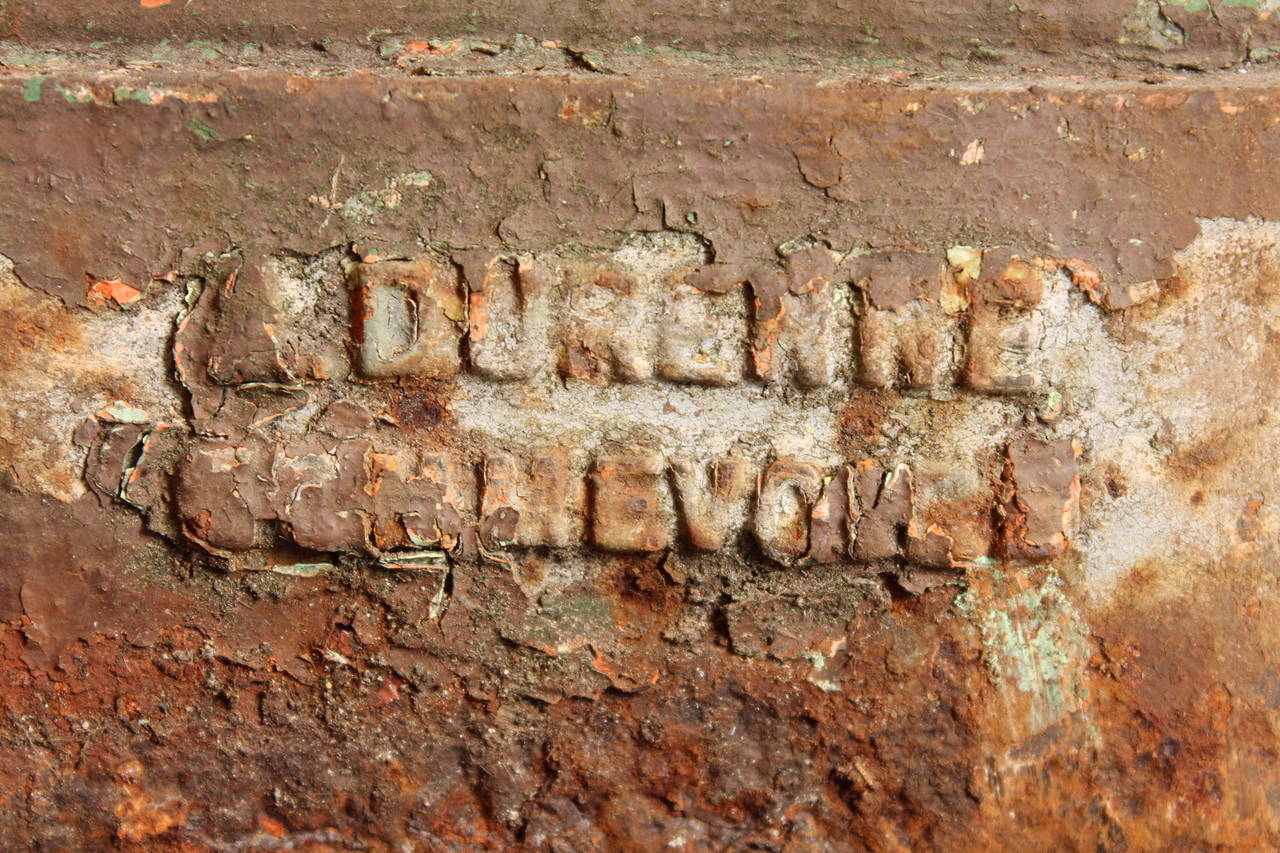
(415, 436)
(120, 174)
(1187, 32)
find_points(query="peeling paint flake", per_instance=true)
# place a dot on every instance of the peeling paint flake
(973, 153)
(116, 291)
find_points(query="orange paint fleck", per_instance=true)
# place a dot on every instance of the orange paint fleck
(387, 692)
(271, 826)
(599, 664)
(101, 291)
(478, 316)
(151, 4)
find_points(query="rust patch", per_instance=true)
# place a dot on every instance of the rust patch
(1203, 459)
(372, 618)
(420, 405)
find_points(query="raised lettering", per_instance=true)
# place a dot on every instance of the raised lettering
(409, 319)
(709, 504)
(1005, 330)
(507, 315)
(794, 326)
(906, 337)
(787, 493)
(885, 500)
(701, 341)
(627, 511)
(526, 510)
(608, 334)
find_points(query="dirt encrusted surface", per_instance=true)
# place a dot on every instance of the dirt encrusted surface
(165, 165)
(1191, 33)
(814, 427)
(152, 703)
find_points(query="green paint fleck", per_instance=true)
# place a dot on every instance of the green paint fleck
(33, 89)
(16, 55)
(1052, 406)
(122, 413)
(362, 206)
(437, 601)
(208, 49)
(415, 179)
(124, 93)
(202, 131)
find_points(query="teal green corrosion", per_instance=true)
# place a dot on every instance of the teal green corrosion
(1034, 641)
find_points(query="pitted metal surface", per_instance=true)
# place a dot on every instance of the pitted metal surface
(559, 442)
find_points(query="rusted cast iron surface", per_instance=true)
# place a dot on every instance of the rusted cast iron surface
(131, 175)
(568, 460)
(1209, 33)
